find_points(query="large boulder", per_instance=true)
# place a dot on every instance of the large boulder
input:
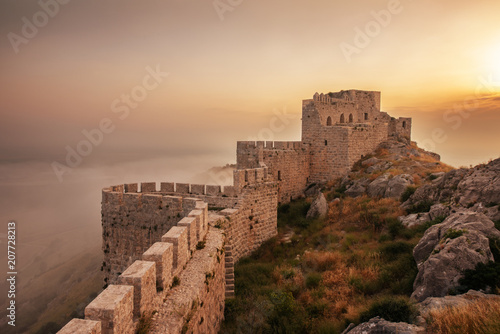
(476, 188)
(436, 303)
(358, 188)
(397, 185)
(381, 166)
(319, 207)
(378, 325)
(482, 185)
(387, 186)
(414, 219)
(447, 249)
(378, 186)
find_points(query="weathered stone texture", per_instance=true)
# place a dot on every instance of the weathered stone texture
(442, 259)
(114, 309)
(255, 219)
(131, 223)
(80, 326)
(192, 233)
(197, 303)
(178, 236)
(142, 276)
(162, 254)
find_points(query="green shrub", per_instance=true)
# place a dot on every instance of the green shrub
(453, 234)
(395, 309)
(286, 315)
(422, 228)
(410, 190)
(317, 309)
(313, 280)
(384, 237)
(391, 251)
(422, 206)
(481, 277)
(251, 276)
(294, 214)
(495, 248)
(497, 225)
(395, 227)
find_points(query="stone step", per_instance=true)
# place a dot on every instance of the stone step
(229, 265)
(229, 294)
(229, 270)
(230, 281)
(229, 287)
(228, 253)
(229, 276)
(229, 259)
(228, 248)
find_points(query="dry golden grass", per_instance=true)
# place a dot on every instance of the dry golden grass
(322, 261)
(480, 317)
(361, 211)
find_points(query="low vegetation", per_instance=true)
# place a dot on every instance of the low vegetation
(354, 265)
(479, 317)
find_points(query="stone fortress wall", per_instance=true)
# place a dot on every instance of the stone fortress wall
(150, 234)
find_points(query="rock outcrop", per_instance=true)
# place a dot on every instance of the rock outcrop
(391, 171)
(476, 188)
(447, 249)
(319, 207)
(379, 325)
(436, 303)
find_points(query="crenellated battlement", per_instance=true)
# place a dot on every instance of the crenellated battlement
(147, 284)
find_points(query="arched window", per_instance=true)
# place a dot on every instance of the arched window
(342, 120)
(404, 124)
(329, 121)
(350, 118)
(366, 116)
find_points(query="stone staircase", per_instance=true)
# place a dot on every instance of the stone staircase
(229, 271)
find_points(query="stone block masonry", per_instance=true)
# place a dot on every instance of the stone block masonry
(196, 305)
(113, 308)
(178, 236)
(162, 254)
(80, 326)
(142, 276)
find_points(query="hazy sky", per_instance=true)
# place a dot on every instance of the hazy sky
(230, 63)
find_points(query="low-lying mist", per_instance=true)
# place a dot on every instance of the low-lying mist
(56, 222)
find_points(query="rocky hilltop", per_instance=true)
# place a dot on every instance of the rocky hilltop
(459, 209)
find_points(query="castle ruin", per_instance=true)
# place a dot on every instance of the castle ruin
(167, 255)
